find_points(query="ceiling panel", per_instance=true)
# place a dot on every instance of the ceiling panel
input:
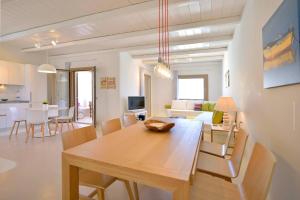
(20, 15)
(26, 14)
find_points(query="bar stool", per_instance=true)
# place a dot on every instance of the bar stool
(17, 116)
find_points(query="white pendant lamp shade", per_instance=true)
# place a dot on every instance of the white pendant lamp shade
(47, 68)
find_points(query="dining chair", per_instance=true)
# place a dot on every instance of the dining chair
(89, 178)
(255, 185)
(129, 120)
(17, 116)
(218, 149)
(111, 126)
(221, 167)
(69, 119)
(36, 117)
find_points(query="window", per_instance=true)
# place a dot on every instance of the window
(192, 87)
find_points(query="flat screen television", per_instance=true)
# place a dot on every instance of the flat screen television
(136, 103)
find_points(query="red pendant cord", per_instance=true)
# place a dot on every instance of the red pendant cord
(163, 31)
(168, 42)
(159, 52)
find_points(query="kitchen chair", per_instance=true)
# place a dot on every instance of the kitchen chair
(224, 168)
(69, 119)
(255, 185)
(18, 116)
(111, 126)
(215, 148)
(89, 178)
(37, 117)
(129, 120)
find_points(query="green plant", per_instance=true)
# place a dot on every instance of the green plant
(45, 102)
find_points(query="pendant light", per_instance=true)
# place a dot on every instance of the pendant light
(162, 67)
(47, 68)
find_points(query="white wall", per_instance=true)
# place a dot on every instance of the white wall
(129, 79)
(107, 64)
(214, 72)
(267, 113)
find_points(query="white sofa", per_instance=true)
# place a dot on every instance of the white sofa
(185, 108)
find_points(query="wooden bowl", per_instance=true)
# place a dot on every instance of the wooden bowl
(158, 126)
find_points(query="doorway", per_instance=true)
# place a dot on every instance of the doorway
(147, 89)
(83, 94)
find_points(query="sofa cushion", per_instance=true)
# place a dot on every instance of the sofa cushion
(198, 106)
(205, 106)
(190, 104)
(211, 107)
(179, 104)
(217, 117)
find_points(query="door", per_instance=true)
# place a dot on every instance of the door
(83, 94)
(147, 85)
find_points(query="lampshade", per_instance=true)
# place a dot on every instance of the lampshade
(46, 68)
(226, 104)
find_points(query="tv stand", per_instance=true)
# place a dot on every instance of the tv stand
(140, 114)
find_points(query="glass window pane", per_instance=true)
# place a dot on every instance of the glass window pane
(191, 88)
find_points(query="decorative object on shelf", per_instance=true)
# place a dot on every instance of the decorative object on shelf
(163, 63)
(227, 79)
(281, 46)
(108, 83)
(158, 125)
(47, 68)
(226, 105)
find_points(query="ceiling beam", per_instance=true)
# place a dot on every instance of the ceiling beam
(182, 41)
(188, 60)
(146, 5)
(209, 23)
(220, 51)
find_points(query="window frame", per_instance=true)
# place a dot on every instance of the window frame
(202, 76)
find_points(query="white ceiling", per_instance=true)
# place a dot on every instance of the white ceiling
(122, 25)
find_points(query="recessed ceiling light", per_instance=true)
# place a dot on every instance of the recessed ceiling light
(191, 31)
(191, 46)
(37, 45)
(54, 43)
(52, 31)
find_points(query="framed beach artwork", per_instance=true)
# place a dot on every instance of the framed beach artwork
(281, 46)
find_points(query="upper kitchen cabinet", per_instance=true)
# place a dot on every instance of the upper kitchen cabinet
(3, 73)
(12, 73)
(16, 74)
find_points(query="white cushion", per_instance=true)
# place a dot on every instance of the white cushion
(179, 104)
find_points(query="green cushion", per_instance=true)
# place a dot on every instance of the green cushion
(211, 107)
(205, 107)
(217, 117)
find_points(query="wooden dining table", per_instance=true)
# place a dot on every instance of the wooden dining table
(162, 160)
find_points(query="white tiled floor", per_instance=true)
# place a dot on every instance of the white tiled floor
(37, 175)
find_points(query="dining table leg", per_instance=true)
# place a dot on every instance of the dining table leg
(182, 192)
(70, 181)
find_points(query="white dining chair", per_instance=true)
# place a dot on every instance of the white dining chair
(69, 119)
(37, 117)
(17, 116)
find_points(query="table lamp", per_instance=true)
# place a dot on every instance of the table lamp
(226, 105)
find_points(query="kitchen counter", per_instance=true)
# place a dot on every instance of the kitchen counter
(14, 101)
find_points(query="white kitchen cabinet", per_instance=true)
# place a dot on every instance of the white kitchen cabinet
(16, 74)
(3, 73)
(12, 73)
(6, 108)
